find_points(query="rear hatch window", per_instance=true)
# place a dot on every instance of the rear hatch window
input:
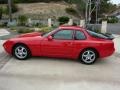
(100, 35)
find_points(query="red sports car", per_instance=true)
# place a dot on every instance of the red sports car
(65, 42)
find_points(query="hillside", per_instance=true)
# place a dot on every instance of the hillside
(43, 10)
(29, 1)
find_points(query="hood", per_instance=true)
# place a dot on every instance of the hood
(33, 34)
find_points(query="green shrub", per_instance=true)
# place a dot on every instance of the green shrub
(63, 20)
(22, 19)
(111, 19)
(3, 24)
(45, 29)
(41, 25)
(13, 28)
(5, 10)
(54, 26)
(25, 30)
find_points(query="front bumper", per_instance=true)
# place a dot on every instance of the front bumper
(8, 46)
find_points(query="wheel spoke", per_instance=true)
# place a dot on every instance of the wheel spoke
(24, 53)
(85, 58)
(85, 55)
(22, 49)
(88, 52)
(18, 49)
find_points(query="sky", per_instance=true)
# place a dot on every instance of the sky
(116, 1)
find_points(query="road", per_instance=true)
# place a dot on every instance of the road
(59, 74)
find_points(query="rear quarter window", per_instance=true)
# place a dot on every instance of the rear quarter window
(96, 35)
(79, 35)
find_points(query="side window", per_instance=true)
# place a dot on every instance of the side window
(64, 35)
(80, 35)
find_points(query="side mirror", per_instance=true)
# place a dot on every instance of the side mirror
(50, 38)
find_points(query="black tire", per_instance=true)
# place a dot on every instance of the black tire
(26, 50)
(84, 58)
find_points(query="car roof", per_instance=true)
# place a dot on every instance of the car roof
(71, 27)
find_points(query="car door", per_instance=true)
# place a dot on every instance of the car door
(80, 42)
(61, 44)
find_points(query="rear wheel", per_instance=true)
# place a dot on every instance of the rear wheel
(88, 56)
(21, 52)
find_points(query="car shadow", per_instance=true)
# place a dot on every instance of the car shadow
(103, 61)
(100, 61)
(53, 59)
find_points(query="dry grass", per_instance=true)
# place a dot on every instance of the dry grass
(43, 10)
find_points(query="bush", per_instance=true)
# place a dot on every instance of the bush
(5, 10)
(3, 24)
(25, 30)
(111, 19)
(63, 20)
(40, 25)
(45, 29)
(22, 20)
(13, 28)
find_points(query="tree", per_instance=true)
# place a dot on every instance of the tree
(1, 12)
(107, 7)
(3, 1)
(13, 7)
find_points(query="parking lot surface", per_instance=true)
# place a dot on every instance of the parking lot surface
(58, 74)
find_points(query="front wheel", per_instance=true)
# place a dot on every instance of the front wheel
(21, 52)
(88, 56)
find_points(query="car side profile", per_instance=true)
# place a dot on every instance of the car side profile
(64, 42)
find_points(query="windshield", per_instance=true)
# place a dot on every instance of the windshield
(97, 35)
